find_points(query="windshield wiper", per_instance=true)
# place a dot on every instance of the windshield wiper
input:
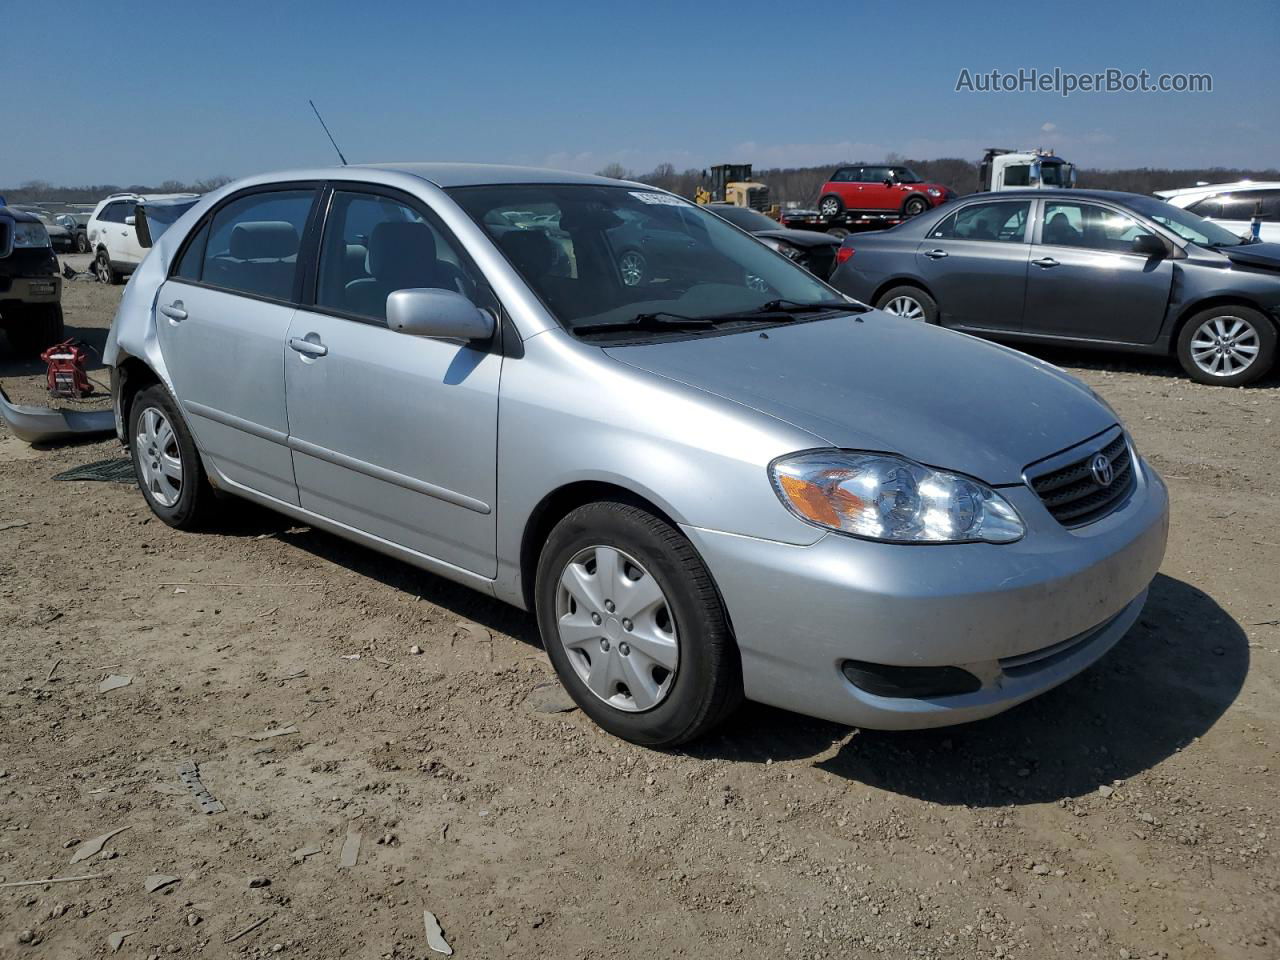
(659, 320)
(799, 306)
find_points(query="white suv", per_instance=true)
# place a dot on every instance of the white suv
(112, 237)
(1233, 205)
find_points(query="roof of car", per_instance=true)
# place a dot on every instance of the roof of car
(1115, 196)
(476, 174)
(1212, 188)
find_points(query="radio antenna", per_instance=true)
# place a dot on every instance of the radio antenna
(327, 133)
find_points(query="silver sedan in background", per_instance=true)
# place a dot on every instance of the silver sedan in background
(722, 479)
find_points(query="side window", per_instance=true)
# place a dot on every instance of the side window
(843, 175)
(113, 212)
(1003, 220)
(192, 259)
(1208, 207)
(374, 246)
(252, 245)
(1090, 226)
(874, 174)
(1017, 175)
(1243, 205)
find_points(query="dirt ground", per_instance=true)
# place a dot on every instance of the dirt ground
(1131, 813)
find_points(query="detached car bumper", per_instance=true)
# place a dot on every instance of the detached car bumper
(1013, 620)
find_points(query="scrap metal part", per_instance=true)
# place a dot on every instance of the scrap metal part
(44, 424)
(189, 774)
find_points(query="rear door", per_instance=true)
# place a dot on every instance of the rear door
(975, 263)
(222, 319)
(1084, 281)
(393, 435)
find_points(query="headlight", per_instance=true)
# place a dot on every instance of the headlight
(786, 249)
(30, 235)
(933, 193)
(882, 497)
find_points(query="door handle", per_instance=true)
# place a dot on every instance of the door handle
(936, 254)
(308, 348)
(1045, 262)
(174, 311)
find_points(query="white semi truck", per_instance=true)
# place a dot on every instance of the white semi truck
(1024, 169)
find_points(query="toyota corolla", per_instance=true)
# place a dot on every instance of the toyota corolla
(718, 480)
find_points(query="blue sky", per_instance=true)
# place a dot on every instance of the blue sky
(142, 92)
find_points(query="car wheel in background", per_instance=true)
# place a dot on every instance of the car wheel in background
(103, 270)
(1227, 346)
(634, 626)
(82, 243)
(910, 303)
(915, 206)
(830, 206)
(165, 461)
(634, 268)
(33, 327)
(838, 232)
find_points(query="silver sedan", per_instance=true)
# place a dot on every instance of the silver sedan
(708, 474)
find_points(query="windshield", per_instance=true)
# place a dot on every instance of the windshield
(1054, 174)
(1185, 223)
(602, 254)
(745, 218)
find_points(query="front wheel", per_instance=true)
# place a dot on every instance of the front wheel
(103, 270)
(1227, 346)
(909, 303)
(914, 206)
(34, 327)
(166, 462)
(82, 243)
(634, 626)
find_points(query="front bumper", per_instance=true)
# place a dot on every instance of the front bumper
(15, 290)
(1022, 617)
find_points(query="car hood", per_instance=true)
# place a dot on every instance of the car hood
(800, 238)
(1253, 254)
(876, 382)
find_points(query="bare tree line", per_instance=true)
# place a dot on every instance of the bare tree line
(40, 191)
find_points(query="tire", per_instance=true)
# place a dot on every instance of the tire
(838, 232)
(695, 680)
(187, 504)
(914, 206)
(830, 206)
(34, 327)
(103, 270)
(633, 268)
(1239, 342)
(910, 303)
(82, 243)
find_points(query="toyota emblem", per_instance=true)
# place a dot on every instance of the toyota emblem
(1101, 470)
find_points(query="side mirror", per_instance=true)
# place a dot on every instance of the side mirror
(888, 181)
(430, 312)
(130, 221)
(1149, 245)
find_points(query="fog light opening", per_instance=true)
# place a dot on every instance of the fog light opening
(920, 683)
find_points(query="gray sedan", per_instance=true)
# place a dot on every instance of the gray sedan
(1091, 268)
(717, 480)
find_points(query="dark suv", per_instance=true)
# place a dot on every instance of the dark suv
(30, 285)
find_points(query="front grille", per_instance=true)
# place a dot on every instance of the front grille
(1073, 494)
(758, 198)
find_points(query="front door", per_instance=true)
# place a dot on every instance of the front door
(393, 435)
(1084, 281)
(873, 193)
(221, 318)
(975, 263)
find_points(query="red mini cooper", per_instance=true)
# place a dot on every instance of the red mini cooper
(879, 189)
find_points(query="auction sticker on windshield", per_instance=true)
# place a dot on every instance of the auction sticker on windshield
(661, 198)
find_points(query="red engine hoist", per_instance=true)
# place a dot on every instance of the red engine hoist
(67, 377)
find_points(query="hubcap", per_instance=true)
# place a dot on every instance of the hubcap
(617, 629)
(906, 307)
(104, 271)
(829, 208)
(159, 458)
(1224, 346)
(631, 267)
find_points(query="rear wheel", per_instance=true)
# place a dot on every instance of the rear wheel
(915, 206)
(634, 626)
(1227, 346)
(830, 206)
(34, 327)
(82, 243)
(166, 462)
(910, 303)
